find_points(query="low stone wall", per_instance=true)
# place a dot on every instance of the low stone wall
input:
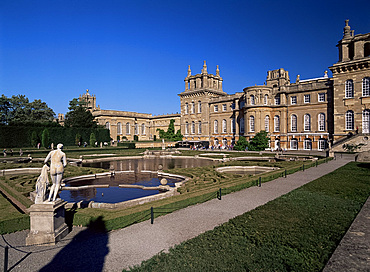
(153, 144)
(20, 171)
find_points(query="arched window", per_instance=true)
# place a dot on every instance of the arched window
(251, 123)
(350, 124)
(224, 126)
(192, 107)
(192, 127)
(142, 129)
(265, 99)
(267, 123)
(294, 144)
(199, 106)
(252, 101)
(136, 129)
(366, 121)
(307, 144)
(366, 86)
(186, 108)
(107, 125)
(215, 126)
(349, 88)
(127, 128)
(241, 125)
(293, 123)
(199, 127)
(321, 121)
(186, 128)
(119, 128)
(276, 123)
(307, 122)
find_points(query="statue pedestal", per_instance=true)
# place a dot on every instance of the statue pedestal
(47, 223)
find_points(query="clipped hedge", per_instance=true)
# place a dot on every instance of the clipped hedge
(21, 136)
(127, 145)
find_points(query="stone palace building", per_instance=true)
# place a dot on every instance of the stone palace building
(301, 115)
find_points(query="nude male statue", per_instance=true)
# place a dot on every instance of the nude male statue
(58, 162)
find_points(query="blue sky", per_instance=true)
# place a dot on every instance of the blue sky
(133, 55)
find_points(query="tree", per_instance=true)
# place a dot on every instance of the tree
(259, 142)
(92, 139)
(45, 138)
(18, 110)
(79, 115)
(34, 139)
(241, 144)
(78, 139)
(170, 134)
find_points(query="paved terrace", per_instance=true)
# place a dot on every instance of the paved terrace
(82, 250)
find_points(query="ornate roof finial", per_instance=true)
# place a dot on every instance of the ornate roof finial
(346, 30)
(87, 90)
(326, 74)
(204, 70)
(217, 71)
(189, 71)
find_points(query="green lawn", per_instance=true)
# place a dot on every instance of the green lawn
(296, 232)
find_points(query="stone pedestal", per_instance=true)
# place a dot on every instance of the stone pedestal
(47, 223)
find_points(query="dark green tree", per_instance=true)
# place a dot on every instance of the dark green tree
(78, 139)
(259, 142)
(241, 144)
(34, 139)
(79, 115)
(92, 139)
(45, 138)
(170, 134)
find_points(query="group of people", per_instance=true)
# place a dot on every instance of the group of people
(5, 152)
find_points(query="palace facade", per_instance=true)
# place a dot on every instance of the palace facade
(302, 115)
(306, 114)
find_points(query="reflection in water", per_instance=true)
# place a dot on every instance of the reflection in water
(152, 164)
(114, 194)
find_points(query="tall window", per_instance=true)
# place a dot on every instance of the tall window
(265, 99)
(142, 129)
(199, 127)
(294, 144)
(233, 127)
(350, 124)
(224, 126)
(366, 86)
(241, 125)
(136, 129)
(215, 108)
(199, 106)
(267, 123)
(215, 126)
(127, 128)
(224, 107)
(119, 128)
(321, 97)
(186, 108)
(277, 100)
(277, 123)
(252, 100)
(293, 120)
(349, 88)
(251, 123)
(366, 121)
(307, 122)
(321, 144)
(307, 98)
(186, 128)
(293, 100)
(193, 107)
(192, 127)
(307, 144)
(321, 120)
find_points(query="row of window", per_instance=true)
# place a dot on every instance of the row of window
(307, 144)
(350, 121)
(349, 87)
(128, 128)
(192, 107)
(293, 99)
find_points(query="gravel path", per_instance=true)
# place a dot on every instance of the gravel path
(82, 250)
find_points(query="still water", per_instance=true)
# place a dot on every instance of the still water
(114, 194)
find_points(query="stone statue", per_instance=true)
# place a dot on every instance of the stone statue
(41, 185)
(58, 162)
